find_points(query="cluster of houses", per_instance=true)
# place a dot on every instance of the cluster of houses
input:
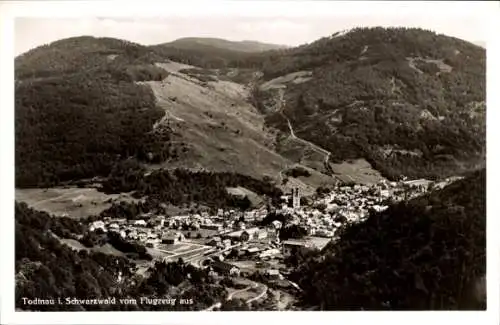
(349, 204)
(150, 233)
(222, 220)
(238, 231)
(152, 230)
(228, 269)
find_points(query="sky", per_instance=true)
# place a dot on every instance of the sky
(297, 28)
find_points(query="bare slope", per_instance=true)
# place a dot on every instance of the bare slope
(224, 132)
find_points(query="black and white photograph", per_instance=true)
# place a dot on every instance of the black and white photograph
(246, 162)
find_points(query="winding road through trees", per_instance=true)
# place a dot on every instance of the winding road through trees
(254, 285)
(281, 106)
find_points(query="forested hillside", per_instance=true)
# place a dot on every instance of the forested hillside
(183, 186)
(73, 55)
(409, 101)
(425, 254)
(78, 110)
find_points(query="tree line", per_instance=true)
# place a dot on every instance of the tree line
(182, 186)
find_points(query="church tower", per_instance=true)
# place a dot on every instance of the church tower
(295, 198)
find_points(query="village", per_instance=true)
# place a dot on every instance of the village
(234, 242)
(249, 246)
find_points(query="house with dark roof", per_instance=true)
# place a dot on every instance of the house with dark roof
(172, 237)
(290, 246)
(225, 268)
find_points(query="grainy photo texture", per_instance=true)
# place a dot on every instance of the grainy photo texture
(187, 172)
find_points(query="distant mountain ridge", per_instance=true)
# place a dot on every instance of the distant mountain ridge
(247, 46)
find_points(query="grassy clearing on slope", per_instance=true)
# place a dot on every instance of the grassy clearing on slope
(358, 170)
(75, 202)
(241, 191)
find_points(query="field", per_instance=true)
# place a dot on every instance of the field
(241, 191)
(71, 201)
(184, 250)
(359, 171)
(105, 249)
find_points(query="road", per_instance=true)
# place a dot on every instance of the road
(281, 106)
(292, 134)
(314, 146)
(216, 305)
(195, 260)
(230, 296)
(290, 126)
(259, 296)
(168, 116)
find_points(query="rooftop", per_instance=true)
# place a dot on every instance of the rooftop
(311, 241)
(218, 265)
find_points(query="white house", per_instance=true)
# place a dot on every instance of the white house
(273, 274)
(277, 224)
(140, 222)
(97, 225)
(225, 268)
(269, 253)
(385, 193)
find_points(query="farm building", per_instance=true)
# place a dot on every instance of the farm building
(247, 234)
